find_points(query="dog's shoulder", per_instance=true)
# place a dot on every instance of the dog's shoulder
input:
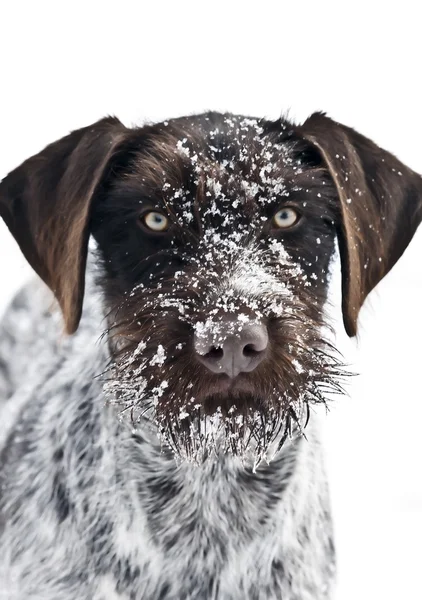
(26, 333)
(34, 349)
(32, 332)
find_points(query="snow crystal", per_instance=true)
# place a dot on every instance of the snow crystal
(182, 149)
(159, 357)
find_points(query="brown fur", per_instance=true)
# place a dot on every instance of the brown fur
(381, 205)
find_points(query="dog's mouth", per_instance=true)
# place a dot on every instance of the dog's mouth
(231, 395)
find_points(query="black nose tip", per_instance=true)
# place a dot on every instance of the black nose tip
(235, 353)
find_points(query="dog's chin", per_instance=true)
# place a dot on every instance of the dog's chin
(224, 418)
(243, 426)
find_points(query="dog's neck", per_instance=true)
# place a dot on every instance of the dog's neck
(214, 485)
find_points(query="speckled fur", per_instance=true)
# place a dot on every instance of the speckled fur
(90, 509)
(97, 506)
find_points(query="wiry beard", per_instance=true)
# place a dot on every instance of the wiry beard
(254, 432)
(156, 382)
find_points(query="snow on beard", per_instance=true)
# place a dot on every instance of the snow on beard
(228, 278)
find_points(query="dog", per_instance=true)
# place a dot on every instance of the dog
(170, 448)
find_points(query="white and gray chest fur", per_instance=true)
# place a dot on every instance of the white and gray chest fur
(93, 510)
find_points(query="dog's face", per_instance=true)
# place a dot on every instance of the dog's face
(215, 238)
(215, 234)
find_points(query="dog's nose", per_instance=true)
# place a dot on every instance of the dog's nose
(235, 353)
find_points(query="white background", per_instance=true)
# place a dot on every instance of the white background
(64, 65)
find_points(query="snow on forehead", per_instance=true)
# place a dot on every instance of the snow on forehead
(238, 163)
(241, 141)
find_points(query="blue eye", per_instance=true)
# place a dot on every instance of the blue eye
(155, 221)
(286, 217)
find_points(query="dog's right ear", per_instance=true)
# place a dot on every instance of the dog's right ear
(46, 204)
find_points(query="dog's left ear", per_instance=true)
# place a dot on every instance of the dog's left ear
(46, 203)
(381, 207)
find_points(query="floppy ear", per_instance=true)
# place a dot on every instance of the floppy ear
(46, 205)
(381, 207)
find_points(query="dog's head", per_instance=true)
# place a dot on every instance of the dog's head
(215, 234)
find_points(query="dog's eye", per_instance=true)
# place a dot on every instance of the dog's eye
(155, 221)
(286, 217)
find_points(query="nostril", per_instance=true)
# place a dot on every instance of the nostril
(233, 352)
(215, 353)
(251, 350)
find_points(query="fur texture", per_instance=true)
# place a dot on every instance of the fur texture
(112, 516)
(134, 463)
